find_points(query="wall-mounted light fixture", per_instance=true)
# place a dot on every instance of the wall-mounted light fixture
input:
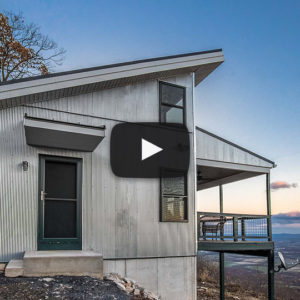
(199, 175)
(25, 165)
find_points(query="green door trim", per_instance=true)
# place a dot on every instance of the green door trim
(59, 243)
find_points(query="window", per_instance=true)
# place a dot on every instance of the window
(173, 197)
(173, 205)
(172, 103)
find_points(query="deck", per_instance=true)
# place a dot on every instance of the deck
(234, 233)
(236, 247)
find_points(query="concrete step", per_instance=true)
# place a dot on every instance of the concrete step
(63, 262)
(2, 267)
(14, 268)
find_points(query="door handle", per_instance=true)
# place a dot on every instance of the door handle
(43, 195)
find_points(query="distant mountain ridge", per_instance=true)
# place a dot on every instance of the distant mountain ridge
(290, 235)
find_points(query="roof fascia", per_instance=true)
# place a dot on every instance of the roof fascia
(76, 79)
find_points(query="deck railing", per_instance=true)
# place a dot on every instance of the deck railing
(236, 227)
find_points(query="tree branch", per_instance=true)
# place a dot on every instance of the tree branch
(24, 51)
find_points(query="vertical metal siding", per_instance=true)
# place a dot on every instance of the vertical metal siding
(120, 217)
(212, 148)
(17, 187)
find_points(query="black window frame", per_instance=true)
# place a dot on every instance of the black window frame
(161, 103)
(185, 196)
(184, 174)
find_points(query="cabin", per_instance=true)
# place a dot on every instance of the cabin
(61, 203)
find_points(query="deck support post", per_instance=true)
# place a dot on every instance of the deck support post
(221, 254)
(235, 226)
(221, 271)
(221, 198)
(269, 207)
(271, 252)
(243, 225)
(271, 275)
(221, 209)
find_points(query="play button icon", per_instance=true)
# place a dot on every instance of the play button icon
(149, 149)
(145, 150)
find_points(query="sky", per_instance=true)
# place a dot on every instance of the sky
(252, 99)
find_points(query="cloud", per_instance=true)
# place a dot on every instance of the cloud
(289, 218)
(276, 185)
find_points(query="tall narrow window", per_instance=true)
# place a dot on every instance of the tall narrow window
(172, 103)
(173, 204)
(173, 197)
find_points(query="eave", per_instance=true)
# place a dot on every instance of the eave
(64, 84)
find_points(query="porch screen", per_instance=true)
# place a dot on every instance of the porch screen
(60, 211)
(173, 197)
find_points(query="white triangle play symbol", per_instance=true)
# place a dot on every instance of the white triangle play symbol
(149, 149)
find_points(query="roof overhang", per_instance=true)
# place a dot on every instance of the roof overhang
(62, 135)
(218, 175)
(57, 85)
(220, 161)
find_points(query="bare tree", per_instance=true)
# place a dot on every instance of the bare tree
(24, 51)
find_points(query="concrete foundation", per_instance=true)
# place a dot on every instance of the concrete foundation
(68, 263)
(14, 268)
(172, 278)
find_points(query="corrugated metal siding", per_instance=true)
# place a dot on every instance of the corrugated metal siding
(120, 216)
(17, 220)
(212, 148)
(94, 87)
(19, 189)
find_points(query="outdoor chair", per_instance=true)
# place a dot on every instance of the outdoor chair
(215, 225)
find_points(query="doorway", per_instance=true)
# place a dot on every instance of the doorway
(60, 182)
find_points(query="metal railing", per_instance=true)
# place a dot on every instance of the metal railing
(236, 227)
